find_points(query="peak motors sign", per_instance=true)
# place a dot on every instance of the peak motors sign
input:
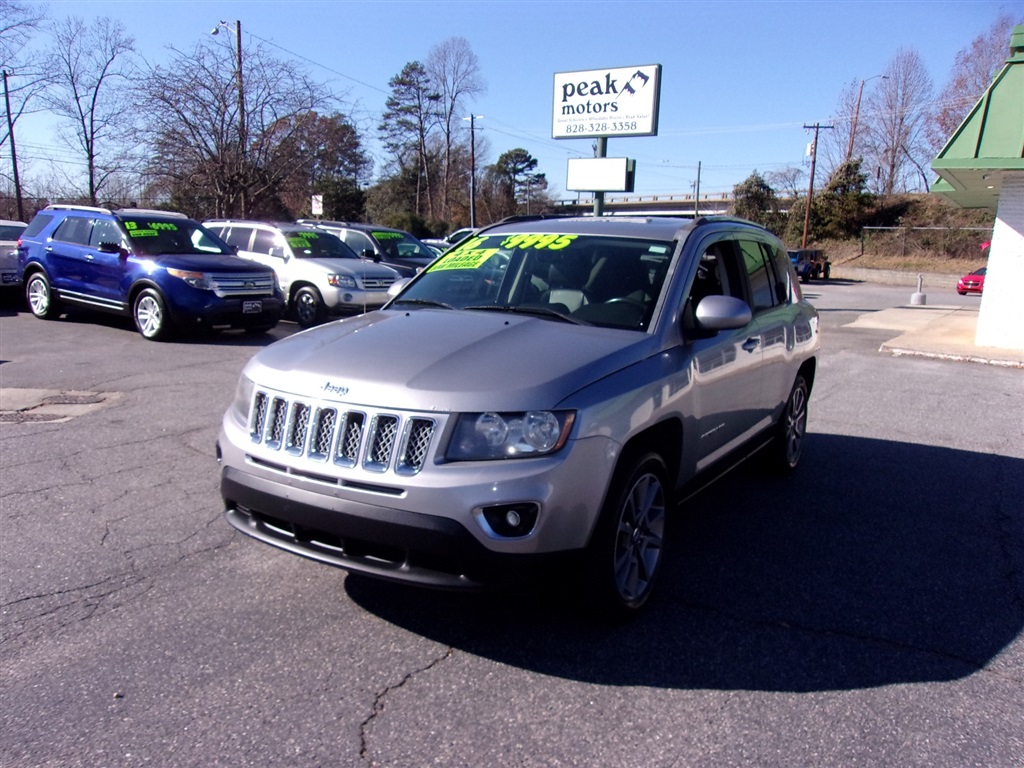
(607, 102)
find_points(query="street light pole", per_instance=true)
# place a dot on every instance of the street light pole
(242, 137)
(856, 114)
(472, 168)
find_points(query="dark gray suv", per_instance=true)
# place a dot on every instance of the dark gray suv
(546, 390)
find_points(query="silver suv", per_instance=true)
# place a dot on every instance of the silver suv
(318, 273)
(547, 390)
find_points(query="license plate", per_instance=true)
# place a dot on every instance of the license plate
(252, 307)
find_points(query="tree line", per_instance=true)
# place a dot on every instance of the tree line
(214, 133)
(879, 144)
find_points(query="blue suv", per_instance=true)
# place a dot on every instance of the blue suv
(161, 268)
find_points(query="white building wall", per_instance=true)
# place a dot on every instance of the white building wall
(1001, 316)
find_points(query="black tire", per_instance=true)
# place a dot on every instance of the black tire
(149, 310)
(787, 444)
(627, 548)
(309, 307)
(40, 299)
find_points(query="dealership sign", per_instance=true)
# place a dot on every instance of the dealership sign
(607, 102)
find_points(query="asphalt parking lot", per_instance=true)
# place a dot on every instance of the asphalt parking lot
(867, 611)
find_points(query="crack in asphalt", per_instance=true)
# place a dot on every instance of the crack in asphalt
(379, 703)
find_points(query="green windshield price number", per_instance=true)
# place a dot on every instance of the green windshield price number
(387, 236)
(538, 242)
(152, 228)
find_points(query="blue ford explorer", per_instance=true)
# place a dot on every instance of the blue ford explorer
(161, 268)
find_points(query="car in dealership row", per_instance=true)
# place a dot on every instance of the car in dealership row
(159, 267)
(972, 283)
(544, 393)
(394, 248)
(10, 231)
(319, 275)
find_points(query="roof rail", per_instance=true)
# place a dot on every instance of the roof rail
(72, 207)
(150, 212)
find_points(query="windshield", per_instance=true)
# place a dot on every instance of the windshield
(309, 244)
(152, 237)
(606, 281)
(401, 244)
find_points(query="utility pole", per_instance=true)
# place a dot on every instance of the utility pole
(472, 167)
(810, 189)
(242, 138)
(696, 197)
(856, 114)
(14, 151)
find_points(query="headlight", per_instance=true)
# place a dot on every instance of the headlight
(341, 281)
(509, 435)
(243, 399)
(195, 279)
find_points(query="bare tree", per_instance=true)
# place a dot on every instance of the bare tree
(974, 68)
(788, 182)
(92, 67)
(455, 71)
(894, 118)
(24, 78)
(192, 128)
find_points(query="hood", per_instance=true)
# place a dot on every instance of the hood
(353, 267)
(446, 360)
(204, 262)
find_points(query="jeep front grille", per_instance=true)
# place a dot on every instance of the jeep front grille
(329, 433)
(245, 284)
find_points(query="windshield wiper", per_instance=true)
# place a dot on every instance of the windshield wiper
(530, 310)
(425, 303)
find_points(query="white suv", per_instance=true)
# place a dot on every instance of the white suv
(318, 273)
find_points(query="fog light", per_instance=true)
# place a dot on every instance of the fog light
(511, 521)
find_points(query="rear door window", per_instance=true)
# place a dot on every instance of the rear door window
(74, 229)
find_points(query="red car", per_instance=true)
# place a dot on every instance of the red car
(972, 283)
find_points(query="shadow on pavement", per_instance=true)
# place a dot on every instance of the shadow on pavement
(871, 566)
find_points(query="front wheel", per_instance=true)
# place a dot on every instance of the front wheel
(628, 545)
(40, 297)
(309, 307)
(150, 314)
(788, 442)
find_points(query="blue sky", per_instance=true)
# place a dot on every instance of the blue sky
(739, 79)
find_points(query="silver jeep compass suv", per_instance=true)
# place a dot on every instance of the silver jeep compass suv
(545, 390)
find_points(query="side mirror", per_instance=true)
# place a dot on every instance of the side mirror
(109, 247)
(277, 252)
(369, 253)
(722, 313)
(397, 286)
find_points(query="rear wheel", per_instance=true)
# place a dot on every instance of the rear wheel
(309, 307)
(40, 297)
(150, 314)
(626, 552)
(787, 444)
(827, 271)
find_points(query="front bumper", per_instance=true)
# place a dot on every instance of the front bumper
(348, 301)
(427, 528)
(211, 311)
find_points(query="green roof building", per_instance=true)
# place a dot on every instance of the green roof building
(982, 166)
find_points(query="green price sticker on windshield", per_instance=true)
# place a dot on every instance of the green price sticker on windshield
(464, 258)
